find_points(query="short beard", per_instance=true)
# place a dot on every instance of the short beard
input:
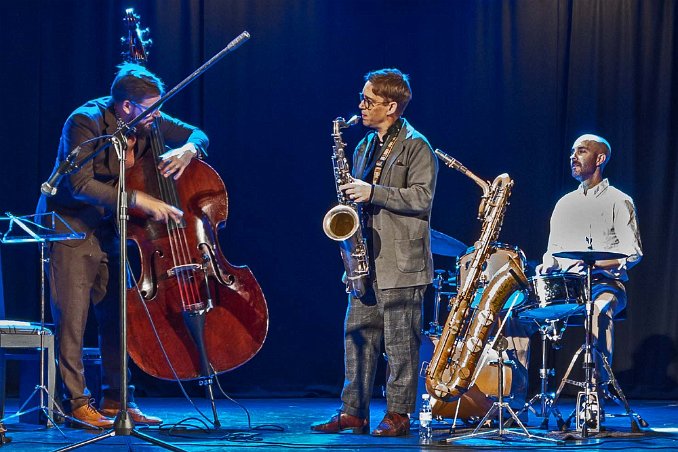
(143, 130)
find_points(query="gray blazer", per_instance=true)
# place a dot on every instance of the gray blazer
(400, 224)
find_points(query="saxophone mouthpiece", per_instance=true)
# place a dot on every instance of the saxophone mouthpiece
(353, 120)
(447, 159)
(450, 161)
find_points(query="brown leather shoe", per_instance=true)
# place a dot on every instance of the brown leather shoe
(340, 422)
(4, 439)
(90, 418)
(393, 424)
(112, 407)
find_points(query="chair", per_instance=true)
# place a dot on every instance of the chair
(25, 337)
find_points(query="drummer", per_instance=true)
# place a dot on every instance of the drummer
(595, 216)
(601, 217)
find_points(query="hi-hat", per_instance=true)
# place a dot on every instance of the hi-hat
(590, 255)
(444, 245)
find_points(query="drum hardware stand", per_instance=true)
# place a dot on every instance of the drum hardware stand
(498, 407)
(435, 329)
(588, 408)
(47, 233)
(549, 332)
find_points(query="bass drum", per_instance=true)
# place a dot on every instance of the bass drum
(477, 401)
(502, 254)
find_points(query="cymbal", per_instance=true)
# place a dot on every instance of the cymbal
(444, 245)
(590, 255)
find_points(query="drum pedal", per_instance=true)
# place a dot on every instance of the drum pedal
(588, 412)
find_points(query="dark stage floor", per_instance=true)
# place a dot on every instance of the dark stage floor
(284, 424)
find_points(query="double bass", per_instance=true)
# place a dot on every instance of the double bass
(192, 314)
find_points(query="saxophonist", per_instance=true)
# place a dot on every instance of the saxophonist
(394, 171)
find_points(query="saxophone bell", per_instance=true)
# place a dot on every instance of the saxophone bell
(341, 222)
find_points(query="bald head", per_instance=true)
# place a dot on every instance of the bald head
(596, 143)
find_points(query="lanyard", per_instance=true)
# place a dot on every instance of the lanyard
(384, 155)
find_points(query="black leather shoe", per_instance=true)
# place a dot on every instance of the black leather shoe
(340, 422)
(393, 424)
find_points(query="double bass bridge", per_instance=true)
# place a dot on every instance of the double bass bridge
(186, 273)
(183, 270)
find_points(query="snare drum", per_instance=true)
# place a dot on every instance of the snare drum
(502, 254)
(554, 296)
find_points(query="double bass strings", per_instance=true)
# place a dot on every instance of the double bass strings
(188, 287)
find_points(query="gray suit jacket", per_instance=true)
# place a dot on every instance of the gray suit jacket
(402, 200)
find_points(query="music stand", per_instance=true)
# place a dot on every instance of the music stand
(41, 229)
(587, 400)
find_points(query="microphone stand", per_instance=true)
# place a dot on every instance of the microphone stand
(123, 424)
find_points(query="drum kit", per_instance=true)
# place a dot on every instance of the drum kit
(549, 301)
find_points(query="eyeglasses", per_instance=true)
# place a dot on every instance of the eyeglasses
(370, 103)
(143, 108)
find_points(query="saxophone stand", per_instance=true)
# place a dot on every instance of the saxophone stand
(588, 408)
(549, 332)
(498, 407)
(41, 229)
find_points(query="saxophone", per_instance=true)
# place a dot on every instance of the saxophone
(343, 222)
(451, 370)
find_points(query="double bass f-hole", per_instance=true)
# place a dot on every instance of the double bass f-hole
(207, 264)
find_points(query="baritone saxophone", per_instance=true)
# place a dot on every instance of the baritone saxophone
(452, 368)
(343, 223)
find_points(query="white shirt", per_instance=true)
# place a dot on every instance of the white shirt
(603, 214)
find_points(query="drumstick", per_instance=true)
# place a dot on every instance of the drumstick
(573, 265)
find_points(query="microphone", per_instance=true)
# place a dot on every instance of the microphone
(238, 41)
(49, 187)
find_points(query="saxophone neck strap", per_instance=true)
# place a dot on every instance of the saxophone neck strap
(379, 166)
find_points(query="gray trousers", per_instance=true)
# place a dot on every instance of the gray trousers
(78, 276)
(395, 316)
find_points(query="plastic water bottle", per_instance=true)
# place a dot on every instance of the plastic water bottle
(425, 418)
